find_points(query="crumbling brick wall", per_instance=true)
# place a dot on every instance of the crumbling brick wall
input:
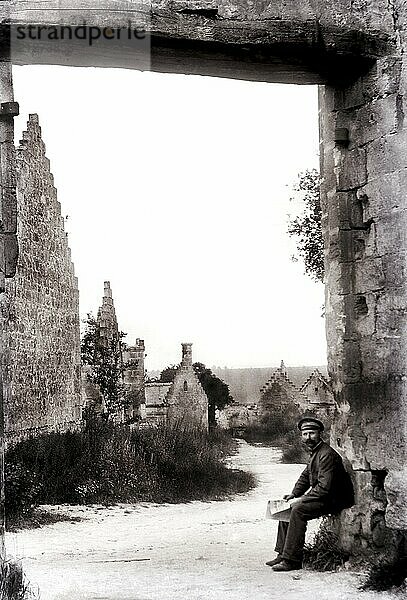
(41, 365)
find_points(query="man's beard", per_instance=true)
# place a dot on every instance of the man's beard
(310, 444)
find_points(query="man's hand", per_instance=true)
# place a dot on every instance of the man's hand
(288, 497)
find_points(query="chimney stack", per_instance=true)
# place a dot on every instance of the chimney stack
(186, 355)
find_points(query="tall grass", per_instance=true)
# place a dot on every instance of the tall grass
(388, 575)
(13, 584)
(107, 463)
(324, 553)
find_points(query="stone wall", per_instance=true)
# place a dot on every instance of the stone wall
(365, 227)
(186, 399)
(134, 381)
(108, 329)
(41, 367)
(156, 407)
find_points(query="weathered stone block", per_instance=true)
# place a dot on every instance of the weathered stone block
(352, 366)
(352, 171)
(387, 154)
(381, 356)
(8, 210)
(383, 79)
(369, 275)
(383, 194)
(346, 248)
(391, 313)
(396, 493)
(391, 233)
(375, 120)
(10, 254)
(371, 121)
(8, 165)
(395, 269)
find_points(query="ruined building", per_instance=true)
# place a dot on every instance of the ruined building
(40, 308)
(313, 396)
(280, 393)
(318, 396)
(108, 328)
(129, 360)
(186, 399)
(182, 400)
(155, 408)
(108, 338)
(134, 381)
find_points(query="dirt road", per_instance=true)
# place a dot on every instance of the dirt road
(196, 551)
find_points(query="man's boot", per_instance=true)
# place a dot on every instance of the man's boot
(276, 561)
(287, 565)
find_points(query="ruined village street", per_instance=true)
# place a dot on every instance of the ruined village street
(195, 551)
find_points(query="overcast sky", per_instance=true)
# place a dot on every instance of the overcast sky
(177, 190)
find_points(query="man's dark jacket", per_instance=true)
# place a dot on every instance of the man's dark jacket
(327, 478)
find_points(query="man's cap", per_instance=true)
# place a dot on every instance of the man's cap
(310, 423)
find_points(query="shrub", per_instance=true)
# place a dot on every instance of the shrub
(275, 424)
(107, 463)
(21, 488)
(387, 576)
(13, 585)
(324, 552)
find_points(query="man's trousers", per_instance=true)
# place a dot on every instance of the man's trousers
(291, 536)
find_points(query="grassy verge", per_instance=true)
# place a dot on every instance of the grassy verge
(33, 518)
(107, 464)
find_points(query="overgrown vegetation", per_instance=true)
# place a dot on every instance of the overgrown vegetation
(103, 357)
(13, 584)
(278, 427)
(276, 422)
(107, 464)
(324, 552)
(387, 576)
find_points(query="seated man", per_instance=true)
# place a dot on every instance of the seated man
(330, 490)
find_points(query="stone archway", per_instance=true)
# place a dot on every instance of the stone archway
(356, 52)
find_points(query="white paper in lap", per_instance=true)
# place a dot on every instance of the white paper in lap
(279, 510)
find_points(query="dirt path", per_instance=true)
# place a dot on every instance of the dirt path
(196, 551)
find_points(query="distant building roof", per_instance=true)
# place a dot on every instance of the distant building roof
(316, 374)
